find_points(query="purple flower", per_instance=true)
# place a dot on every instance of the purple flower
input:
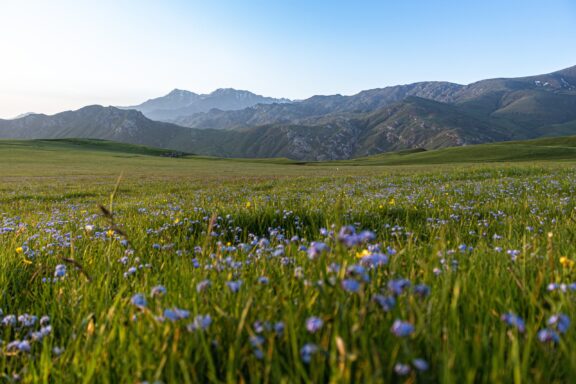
(201, 286)
(314, 324)
(316, 249)
(402, 328)
(374, 260)
(234, 286)
(514, 321)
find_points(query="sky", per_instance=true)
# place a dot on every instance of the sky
(64, 54)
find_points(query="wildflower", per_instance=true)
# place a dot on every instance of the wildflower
(9, 321)
(60, 270)
(566, 262)
(234, 286)
(561, 321)
(27, 320)
(279, 327)
(201, 286)
(307, 351)
(402, 369)
(138, 300)
(362, 254)
(175, 314)
(514, 321)
(200, 323)
(548, 335)
(402, 328)
(316, 249)
(422, 290)
(314, 324)
(19, 250)
(57, 351)
(263, 280)
(158, 290)
(374, 260)
(350, 285)
(110, 233)
(397, 286)
(386, 302)
(20, 346)
(420, 364)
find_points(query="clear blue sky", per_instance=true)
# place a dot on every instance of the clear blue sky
(63, 54)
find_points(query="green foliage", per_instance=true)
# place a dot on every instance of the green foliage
(185, 220)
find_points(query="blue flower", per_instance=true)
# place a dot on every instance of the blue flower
(175, 314)
(402, 369)
(402, 328)
(314, 324)
(138, 300)
(514, 321)
(279, 328)
(548, 335)
(386, 302)
(350, 285)
(60, 270)
(422, 290)
(316, 249)
(420, 364)
(200, 323)
(201, 286)
(307, 351)
(398, 286)
(561, 321)
(158, 290)
(234, 286)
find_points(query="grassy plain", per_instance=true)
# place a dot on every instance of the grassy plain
(257, 246)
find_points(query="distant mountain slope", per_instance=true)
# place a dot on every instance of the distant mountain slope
(483, 99)
(426, 115)
(180, 103)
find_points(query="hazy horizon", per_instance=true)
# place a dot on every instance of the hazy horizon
(63, 55)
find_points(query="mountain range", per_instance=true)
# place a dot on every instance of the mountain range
(231, 123)
(184, 103)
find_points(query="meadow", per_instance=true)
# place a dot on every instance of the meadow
(119, 265)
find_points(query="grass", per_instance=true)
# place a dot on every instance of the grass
(486, 239)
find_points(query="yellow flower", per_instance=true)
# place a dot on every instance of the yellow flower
(19, 250)
(392, 202)
(177, 220)
(248, 204)
(566, 262)
(110, 233)
(362, 254)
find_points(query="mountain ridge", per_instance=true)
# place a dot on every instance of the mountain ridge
(428, 115)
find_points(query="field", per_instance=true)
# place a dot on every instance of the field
(191, 269)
